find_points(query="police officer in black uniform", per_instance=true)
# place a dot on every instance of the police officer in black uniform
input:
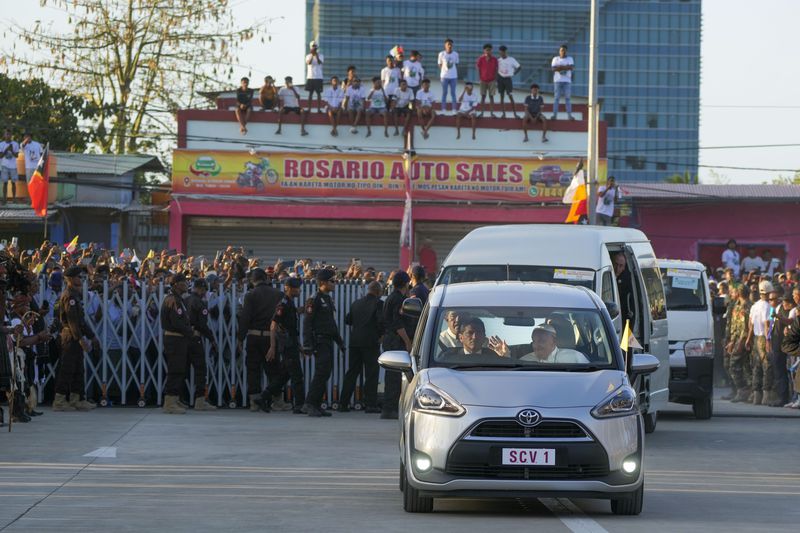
(319, 333)
(418, 287)
(75, 337)
(178, 334)
(399, 333)
(366, 319)
(258, 309)
(284, 349)
(198, 317)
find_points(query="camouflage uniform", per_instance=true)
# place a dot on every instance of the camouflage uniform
(726, 339)
(739, 366)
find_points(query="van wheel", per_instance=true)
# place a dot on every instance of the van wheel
(412, 501)
(630, 504)
(703, 409)
(650, 421)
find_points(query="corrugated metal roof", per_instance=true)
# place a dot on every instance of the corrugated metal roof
(106, 164)
(93, 205)
(17, 215)
(699, 192)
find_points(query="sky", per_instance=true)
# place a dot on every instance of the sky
(748, 90)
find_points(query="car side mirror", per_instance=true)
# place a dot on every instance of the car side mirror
(643, 364)
(613, 309)
(718, 306)
(412, 307)
(398, 361)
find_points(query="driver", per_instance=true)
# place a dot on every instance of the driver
(545, 349)
(472, 336)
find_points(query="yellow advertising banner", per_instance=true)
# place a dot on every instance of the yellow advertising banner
(293, 174)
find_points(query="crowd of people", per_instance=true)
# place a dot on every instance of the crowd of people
(762, 334)
(40, 329)
(10, 151)
(401, 91)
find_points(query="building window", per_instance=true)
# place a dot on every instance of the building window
(601, 77)
(652, 121)
(635, 163)
(661, 166)
(611, 119)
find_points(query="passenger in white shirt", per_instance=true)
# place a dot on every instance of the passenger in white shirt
(413, 72)
(753, 261)
(448, 73)
(33, 153)
(449, 337)
(354, 103)
(289, 102)
(467, 104)
(378, 105)
(401, 105)
(425, 109)
(562, 66)
(333, 98)
(607, 195)
(731, 258)
(507, 67)
(545, 349)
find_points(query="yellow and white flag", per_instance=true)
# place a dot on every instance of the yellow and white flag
(628, 341)
(72, 245)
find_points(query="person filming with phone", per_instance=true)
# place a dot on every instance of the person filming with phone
(607, 197)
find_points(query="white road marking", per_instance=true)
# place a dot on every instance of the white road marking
(103, 451)
(571, 516)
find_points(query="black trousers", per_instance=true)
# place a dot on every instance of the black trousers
(362, 359)
(69, 378)
(284, 367)
(254, 362)
(323, 365)
(392, 382)
(781, 376)
(197, 358)
(176, 350)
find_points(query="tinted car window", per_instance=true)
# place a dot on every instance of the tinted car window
(547, 274)
(655, 293)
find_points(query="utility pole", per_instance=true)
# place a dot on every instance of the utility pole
(593, 115)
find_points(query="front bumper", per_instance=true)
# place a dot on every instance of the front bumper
(694, 381)
(464, 466)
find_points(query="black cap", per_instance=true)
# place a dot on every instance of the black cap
(200, 284)
(400, 278)
(326, 274)
(258, 274)
(294, 283)
(177, 278)
(73, 272)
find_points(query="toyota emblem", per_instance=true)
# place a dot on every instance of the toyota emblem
(529, 418)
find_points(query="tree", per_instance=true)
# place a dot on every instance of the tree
(138, 61)
(51, 115)
(686, 177)
(787, 180)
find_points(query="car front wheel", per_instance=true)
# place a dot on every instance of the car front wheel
(703, 409)
(412, 501)
(630, 504)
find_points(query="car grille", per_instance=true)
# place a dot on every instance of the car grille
(583, 471)
(547, 429)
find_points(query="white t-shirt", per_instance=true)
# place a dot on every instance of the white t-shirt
(288, 97)
(413, 72)
(7, 151)
(605, 204)
(564, 75)
(425, 98)
(377, 100)
(390, 78)
(33, 153)
(731, 259)
(314, 69)
(355, 94)
(793, 313)
(751, 263)
(448, 63)
(468, 102)
(773, 265)
(559, 355)
(333, 98)
(403, 98)
(506, 66)
(759, 314)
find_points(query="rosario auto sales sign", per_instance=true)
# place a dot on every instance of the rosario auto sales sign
(292, 174)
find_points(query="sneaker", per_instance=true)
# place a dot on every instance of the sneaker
(793, 405)
(353, 130)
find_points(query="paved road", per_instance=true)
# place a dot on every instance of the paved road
(236, 471)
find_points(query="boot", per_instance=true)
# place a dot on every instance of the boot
(60, 403)
(171, 406)
(80, 405)
(181, 403)
(200, 404)
(279, 405)
(255, 403)
(742, 396)
(757, 397)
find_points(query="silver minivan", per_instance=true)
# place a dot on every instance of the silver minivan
(582, 256)
(518, 389)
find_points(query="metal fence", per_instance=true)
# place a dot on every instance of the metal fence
(129, 366)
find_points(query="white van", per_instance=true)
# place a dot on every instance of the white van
(582, 256)
(691, 335)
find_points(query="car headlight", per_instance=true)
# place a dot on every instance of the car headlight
(433, 400)
(699, 348)
(621, 402)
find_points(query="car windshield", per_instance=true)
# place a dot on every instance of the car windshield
(684, 289)
(521, 338)
(548, 274)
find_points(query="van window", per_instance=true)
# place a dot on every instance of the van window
(566, 276)
(655, 293)
(684, 289)
(608, 287)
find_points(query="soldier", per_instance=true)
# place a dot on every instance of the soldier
(726, 339)
(75, 340)
(739, 369)
(258, 309)
(284, 350)
(177, 336)
(319, 333)
(198, 318)
(398, 336)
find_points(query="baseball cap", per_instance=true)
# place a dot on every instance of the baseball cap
(765, 287)
(312, 44)
(294, 283)
(326, 274)
(547, 328)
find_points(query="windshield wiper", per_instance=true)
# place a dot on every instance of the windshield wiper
(555, 368)
(483, 367)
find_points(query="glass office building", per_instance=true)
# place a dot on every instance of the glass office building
(648, 60)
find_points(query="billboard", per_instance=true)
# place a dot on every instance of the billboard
(380, 176)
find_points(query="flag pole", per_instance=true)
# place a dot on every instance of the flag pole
(592, 122)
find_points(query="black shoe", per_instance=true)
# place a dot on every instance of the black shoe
(372, 410)
(33, 412)
(265, 402)
(343, 408)
(22, 418)
(389, 415)
(298, 410)
(325, 413)
(313, 411)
